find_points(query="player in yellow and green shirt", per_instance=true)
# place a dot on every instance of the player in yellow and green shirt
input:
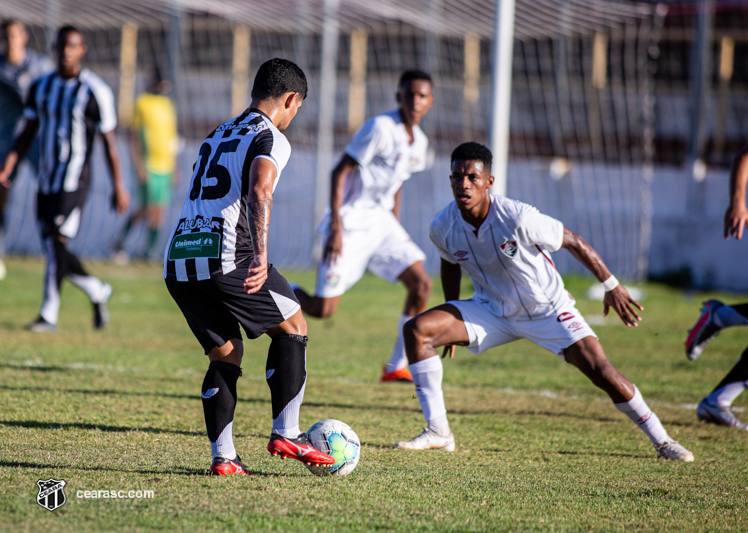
(154, 144)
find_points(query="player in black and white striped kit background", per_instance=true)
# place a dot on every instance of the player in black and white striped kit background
(66, 109)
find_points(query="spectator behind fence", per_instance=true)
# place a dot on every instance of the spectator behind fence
(18, 68)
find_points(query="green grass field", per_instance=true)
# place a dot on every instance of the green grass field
(538, 447)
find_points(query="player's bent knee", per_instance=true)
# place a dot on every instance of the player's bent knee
(321, 307)
(231, 352)
(417, 333)
(424, 287)
(326, 311)
(294, 325)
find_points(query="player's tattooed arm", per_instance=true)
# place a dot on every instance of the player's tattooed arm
(259, 224)
(259, 207)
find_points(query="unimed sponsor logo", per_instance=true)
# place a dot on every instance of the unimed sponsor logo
(192, 245)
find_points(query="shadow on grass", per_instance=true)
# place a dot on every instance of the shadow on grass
(180, 471)
(400, 409)
(561, 414)
(598, 454)
(36, 424)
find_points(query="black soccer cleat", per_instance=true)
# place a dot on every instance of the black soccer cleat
(41, 326)
(101, 309)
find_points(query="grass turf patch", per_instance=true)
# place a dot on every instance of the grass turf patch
(538, 447)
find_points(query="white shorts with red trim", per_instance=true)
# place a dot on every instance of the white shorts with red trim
(555, 333)
(384, 248)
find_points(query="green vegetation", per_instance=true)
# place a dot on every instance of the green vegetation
(538, 447)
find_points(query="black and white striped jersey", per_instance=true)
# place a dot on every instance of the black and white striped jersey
(212, 234)
(70, 111)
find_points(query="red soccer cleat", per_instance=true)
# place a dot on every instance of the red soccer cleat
(228, 467)
(704, 330)
(298, 448)
(401, 374)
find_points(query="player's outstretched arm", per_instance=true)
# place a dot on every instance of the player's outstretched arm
(260, 206)
(616, 297)
(19, 149)
(120, 196)
(451, 277)
(334, 243)
(736, 216)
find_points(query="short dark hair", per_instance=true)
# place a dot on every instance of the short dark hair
(62, 32)
(413, 74)
(7, 23)
(277, 77)
(472, 151)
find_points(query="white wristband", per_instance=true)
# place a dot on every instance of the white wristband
(610, 284)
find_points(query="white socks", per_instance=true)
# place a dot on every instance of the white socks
(399, 359)
(92, 286)
(224, 446)
(726, 316)
(287, 423)
(724, 396)
(427, 376)
(640, 414)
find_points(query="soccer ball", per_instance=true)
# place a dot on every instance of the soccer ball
(335, 438)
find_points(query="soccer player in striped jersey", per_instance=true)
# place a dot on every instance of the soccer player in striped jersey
(66, 109)
(716, 407)
(216, 268)
(504, 246)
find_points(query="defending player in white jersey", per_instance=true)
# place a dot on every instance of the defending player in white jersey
(216, 268)
(363, 228)
(504, 247)
(716, 407)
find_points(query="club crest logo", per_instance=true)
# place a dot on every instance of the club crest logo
(461, 255)
(575, 326)
(509, 248)
(51, 494)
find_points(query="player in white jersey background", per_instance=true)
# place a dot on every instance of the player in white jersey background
(362, 229)
(504, 247)
(715, 315)
(66, 109)
(216, 268)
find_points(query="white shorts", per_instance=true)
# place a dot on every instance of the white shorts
(385, 248)
(555, 333)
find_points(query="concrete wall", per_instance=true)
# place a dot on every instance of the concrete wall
(603, 204)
